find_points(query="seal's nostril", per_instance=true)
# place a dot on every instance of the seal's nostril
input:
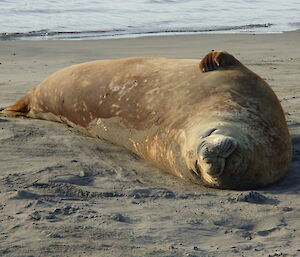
(213, 152)
(227, 146)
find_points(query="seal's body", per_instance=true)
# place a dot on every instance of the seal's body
(215, 122)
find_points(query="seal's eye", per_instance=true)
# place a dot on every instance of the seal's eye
(208, 132)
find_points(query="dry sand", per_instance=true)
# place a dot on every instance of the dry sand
(65, 194)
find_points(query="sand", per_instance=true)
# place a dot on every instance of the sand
(66, 194)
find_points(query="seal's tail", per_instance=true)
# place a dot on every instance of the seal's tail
(20, 108)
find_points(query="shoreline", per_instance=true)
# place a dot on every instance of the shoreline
(59, 187)
(42, 35)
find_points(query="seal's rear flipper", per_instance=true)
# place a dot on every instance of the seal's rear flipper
(20, 108)
(217, 60)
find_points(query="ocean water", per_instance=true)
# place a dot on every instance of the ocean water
(74, 19)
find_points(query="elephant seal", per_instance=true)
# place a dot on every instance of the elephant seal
(215, 122)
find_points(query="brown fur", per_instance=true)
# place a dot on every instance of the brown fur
(159, 108)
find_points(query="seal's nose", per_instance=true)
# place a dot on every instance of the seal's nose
(213, 152)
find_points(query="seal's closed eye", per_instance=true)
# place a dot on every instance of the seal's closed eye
(208, 132)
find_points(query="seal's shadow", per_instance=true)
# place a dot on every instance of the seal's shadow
(291, 182)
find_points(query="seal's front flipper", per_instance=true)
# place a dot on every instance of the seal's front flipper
(20, 108)
(217, 60)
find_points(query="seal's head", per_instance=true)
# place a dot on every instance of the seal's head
(229, 158)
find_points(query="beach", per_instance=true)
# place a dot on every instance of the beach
(66, 194)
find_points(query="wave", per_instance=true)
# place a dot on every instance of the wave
(130, 32)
